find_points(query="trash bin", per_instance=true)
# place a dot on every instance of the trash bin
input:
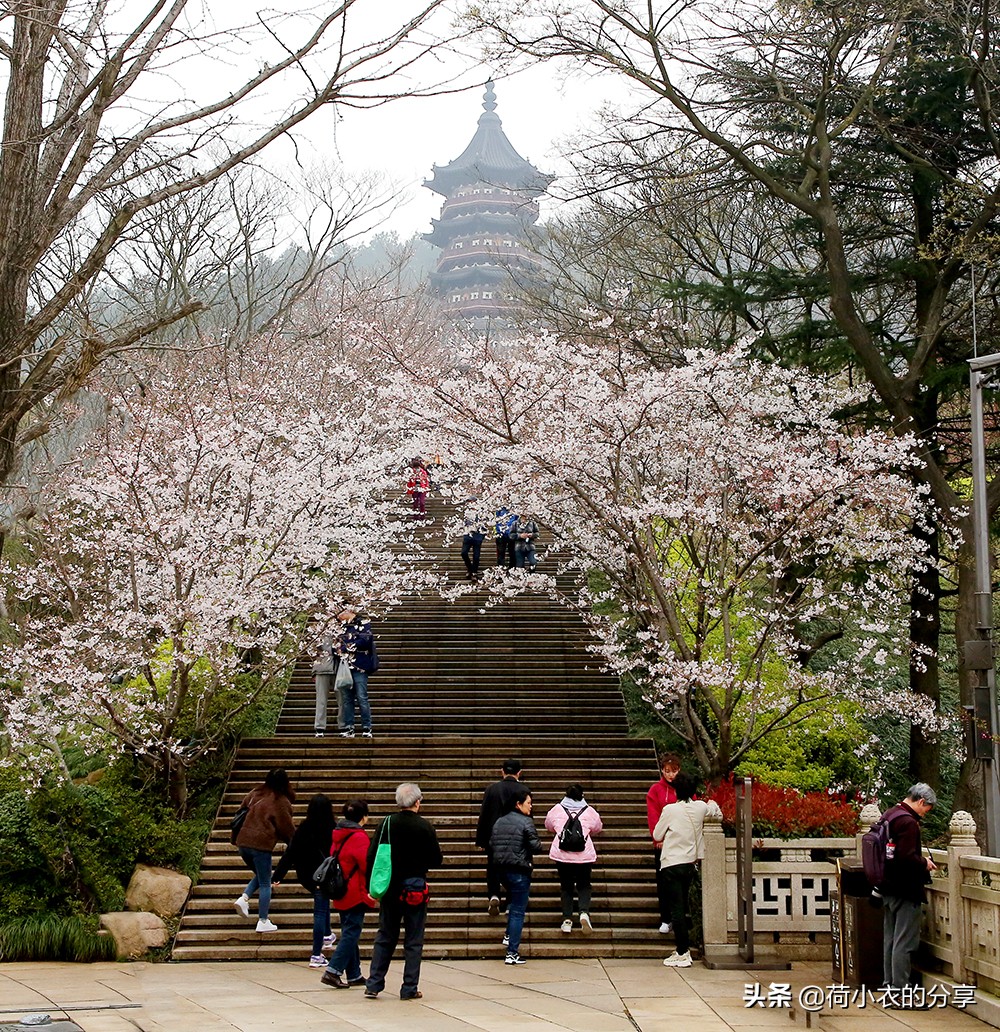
(860, 928)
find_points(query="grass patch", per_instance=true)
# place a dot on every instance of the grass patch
(48, 937)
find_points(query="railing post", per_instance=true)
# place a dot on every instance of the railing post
(714, 889)
(961, 842)
(870, 813)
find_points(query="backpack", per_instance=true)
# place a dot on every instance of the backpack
(877, 846)
(572, 838)
(329, 876)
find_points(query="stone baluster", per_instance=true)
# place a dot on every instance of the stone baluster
(961, 843)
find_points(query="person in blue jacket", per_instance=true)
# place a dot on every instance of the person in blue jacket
(355, 645)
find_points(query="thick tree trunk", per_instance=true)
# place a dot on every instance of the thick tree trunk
(925, 635)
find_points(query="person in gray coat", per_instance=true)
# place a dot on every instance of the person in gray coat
(513, 842)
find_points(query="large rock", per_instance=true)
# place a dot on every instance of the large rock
(157, 889)
(135, 933)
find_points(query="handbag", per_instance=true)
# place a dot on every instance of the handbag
(239, 818)
(343, 680)
(414, 892)
(381, 873)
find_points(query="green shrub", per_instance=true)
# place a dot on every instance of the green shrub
(50, 937)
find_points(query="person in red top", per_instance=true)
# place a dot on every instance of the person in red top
(351, 839)
(660, 795)
(417, 486)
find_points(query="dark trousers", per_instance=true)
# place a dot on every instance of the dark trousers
(321, 921)
(494, 884)
(901, 920)
(392, 914)
(474, 544)
(661, 889)
(347, 958)
(677, 879)
(574, 881)
(505, 552)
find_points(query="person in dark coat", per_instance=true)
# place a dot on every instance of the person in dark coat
(513, 842)
(498, 799)
(351, 839)
(309, 847)
(355, 645)
(415, 849)
(268, 820)
(907, 871)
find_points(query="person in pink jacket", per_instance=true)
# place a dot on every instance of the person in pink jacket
(574, 864)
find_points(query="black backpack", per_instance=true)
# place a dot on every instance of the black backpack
(329, 876)
(573, 839)
(874, 846)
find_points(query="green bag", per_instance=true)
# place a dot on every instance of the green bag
(381, 873)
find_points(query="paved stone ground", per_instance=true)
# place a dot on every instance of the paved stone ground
(459, 996)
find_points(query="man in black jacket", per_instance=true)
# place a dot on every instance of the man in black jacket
(415, 849)
(513, 842)
(498, 799)
(907, 871)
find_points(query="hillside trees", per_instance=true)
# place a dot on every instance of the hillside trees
(737, 528)
(872, 129)
(100, 132)
(175, 566)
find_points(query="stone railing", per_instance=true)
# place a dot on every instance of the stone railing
(792, 884)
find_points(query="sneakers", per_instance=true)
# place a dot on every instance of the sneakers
(494, 910)
(347, 734)
(318, 734)
(317, 960)
(367, 733)
(242, 906)
(329, 978)
(678, 960)
(418, 995)
(329, 941)
(585, 923)
(566, 927)
(514, 958)
(370, 994)
(506, 940)
(666, 928)
(263, 925)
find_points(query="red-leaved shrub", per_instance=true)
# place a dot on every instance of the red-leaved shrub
(786, 813)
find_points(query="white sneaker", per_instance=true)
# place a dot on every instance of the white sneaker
(566, 927)
(678, 960)
(666, 928)
(263, 925)
(242, 906)
(317, 960)
(329, 941)
(585, 923)
(506, 940)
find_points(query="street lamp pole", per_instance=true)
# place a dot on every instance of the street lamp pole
(979, 656)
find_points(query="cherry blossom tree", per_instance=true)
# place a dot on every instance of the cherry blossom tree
(213, 525)
(740, 555)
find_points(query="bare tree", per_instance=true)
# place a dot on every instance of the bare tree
(98, 130)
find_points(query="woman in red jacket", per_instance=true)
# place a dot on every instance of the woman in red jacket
(351, 839)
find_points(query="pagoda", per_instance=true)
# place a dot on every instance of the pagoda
(490, 208)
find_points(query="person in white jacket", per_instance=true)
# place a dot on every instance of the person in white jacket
(681, 830)
(574, 866)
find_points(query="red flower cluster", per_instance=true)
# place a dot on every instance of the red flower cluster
(787, 813)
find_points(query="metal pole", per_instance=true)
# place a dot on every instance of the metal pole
(985, 722)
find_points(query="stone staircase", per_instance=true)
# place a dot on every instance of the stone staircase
(459, 690)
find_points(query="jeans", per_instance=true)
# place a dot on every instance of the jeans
(347, 957)
(901, 920)
(392, 914)
(321, 921)
(524, 555)
(518, 882)
(471, 543)
(260, 863)
(574, 879)
(357, 693)
(677, 879)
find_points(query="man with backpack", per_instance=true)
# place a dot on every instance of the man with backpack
(904, 873)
